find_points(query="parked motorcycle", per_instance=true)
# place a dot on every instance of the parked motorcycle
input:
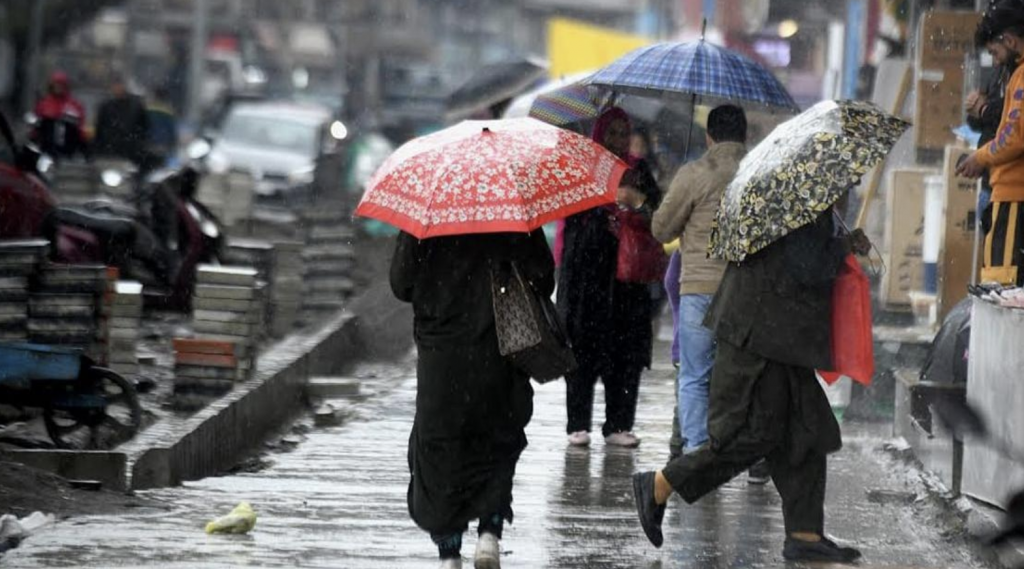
(162, 255)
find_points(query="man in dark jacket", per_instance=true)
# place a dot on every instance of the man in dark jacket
(772, 321)
(122, 125)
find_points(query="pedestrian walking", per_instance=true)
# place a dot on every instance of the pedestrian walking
(1002, 32)
(686, 213)
(605, 298)
(472, 404)
(122, 125)
(772, 318)
(473, 261)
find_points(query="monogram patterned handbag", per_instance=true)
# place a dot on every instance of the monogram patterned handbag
(530, 333)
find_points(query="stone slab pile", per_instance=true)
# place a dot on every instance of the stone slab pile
(204, 370)
(75, 183)
(66, 307)
(19, 262)
(228, 313)
(287, 283)
(330, 260)
(123, 318)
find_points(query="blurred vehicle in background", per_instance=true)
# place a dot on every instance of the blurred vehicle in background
(281, 144)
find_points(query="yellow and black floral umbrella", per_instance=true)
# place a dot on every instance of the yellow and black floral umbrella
(803, 168)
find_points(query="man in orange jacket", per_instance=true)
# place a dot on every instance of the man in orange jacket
(1002, 31)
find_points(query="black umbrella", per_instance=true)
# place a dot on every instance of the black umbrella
(494, 84)
(947, 357)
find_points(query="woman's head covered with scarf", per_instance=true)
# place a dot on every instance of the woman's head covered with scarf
(612, 130)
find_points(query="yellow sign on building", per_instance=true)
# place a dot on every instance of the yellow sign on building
(575, 47)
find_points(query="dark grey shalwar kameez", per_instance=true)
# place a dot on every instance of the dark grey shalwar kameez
(772, 320)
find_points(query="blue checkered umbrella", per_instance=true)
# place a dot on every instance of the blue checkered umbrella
(697, 70)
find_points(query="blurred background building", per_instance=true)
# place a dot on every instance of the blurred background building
(390, 63)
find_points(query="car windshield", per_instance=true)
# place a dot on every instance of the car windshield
(272, 133)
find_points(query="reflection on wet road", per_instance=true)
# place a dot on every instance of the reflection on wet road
(338, 500)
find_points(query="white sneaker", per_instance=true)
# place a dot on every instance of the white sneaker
(488, 552)
(627, 439)
(451, 564)
(579, 439)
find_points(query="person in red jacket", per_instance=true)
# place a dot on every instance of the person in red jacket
(61, 128)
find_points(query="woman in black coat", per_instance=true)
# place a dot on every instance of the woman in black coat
(472, 406)
(607, 320)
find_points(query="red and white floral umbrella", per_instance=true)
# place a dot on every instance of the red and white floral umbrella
(491, 177)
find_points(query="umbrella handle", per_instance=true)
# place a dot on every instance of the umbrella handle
(881, 260)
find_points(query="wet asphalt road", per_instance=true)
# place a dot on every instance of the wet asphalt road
(338, 501)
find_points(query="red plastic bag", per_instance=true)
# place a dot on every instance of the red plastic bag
(853, 351)
(641, 258)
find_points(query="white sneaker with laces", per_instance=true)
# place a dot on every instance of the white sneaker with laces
(451, 563)
(625, 439)
(579, 439)
(488, 552)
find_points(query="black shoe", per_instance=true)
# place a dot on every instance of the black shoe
(824, 550)
(759, 474)
(650, 512)
(850, 551)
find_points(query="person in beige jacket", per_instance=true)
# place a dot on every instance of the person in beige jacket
(686, 213)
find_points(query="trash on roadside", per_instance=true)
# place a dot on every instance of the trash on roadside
(13, 530)
(241, 520)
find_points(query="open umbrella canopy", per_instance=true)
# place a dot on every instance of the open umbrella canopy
(491, 177)
(699, 69)
(493, 84)
(522, 106)
(799, 171)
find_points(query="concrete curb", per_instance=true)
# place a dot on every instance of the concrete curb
(217, 437)
(106, 467)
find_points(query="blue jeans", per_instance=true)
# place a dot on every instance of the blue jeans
(696, 359)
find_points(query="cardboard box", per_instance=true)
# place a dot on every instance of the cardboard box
(957, 255)
(946, 37)
(904, 233)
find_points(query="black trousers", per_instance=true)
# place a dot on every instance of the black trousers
(798, 469)
(1003, 260)
(621, 392)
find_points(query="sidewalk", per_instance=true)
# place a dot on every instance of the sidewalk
(338, 500)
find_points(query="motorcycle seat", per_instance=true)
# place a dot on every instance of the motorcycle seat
(116, 228)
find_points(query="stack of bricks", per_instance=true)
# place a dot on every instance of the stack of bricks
(228, 306)
(330, 259)
(255, 253)
(75, 183)
(66, 305)
(227, 317)
(19, 261)
(286, 287)
(122, 316)
(204, 370)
